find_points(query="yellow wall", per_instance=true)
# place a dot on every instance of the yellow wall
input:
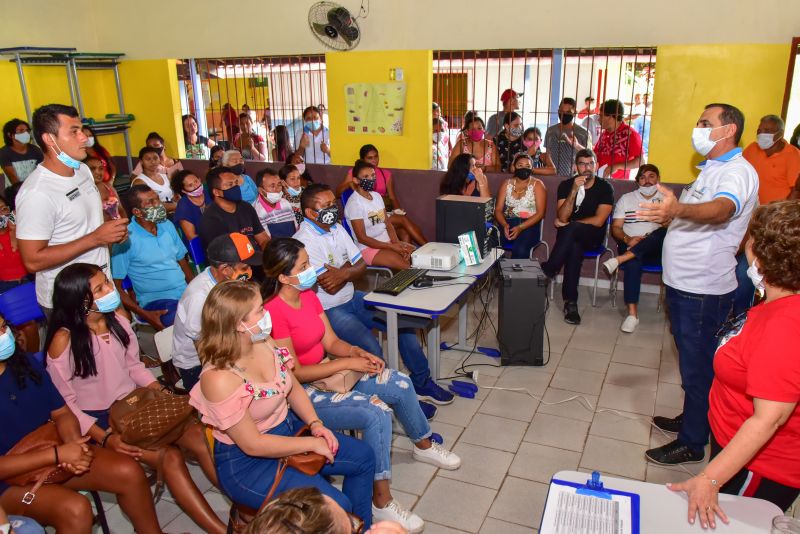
(750, 77)
(412, 150)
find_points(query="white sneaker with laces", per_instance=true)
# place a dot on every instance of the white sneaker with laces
(611, 265)
(438, 456)
(629, 324)
(395, 512)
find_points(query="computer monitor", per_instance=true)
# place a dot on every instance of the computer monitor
(458, 214)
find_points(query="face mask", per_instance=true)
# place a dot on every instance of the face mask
(517, 132)
(4, 220)
(329, 215)
(523, 173)
(274, 198)
(294, 192)
(306, 279)
(527, 143)
(7, 345)
(580, 196)
(437, 137)
(648, 190)
(311, 126)
(155, 214)
(701, 140)
(89, 142)
(756, 277)
(470, 176)
(367, 184)
(476, 135)
(263, 329)
(237, 169)
(566, 118)
(196, 192)
(160, 150)
(67, 160)
(765, 140)
(234, 194)
(24, 137)
(108, 303)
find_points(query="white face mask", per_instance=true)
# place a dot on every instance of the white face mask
(580, 196)
(24, 137)
(648, 190)
(274, 198)
(701, 140)
(89, 142)
(765, 140)
(756, 277)
(301, 167)
(263, 328)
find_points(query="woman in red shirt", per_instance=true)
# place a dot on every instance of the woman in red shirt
(754, 413)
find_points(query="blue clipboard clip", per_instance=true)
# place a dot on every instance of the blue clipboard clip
(594, 487)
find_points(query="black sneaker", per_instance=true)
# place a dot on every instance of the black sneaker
(673, 425)
(675, 453)
(571, 314)
(428, 409)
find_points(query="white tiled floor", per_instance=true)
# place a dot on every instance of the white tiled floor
(511, 443)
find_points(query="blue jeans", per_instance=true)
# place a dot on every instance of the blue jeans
(743, 297)
(190, 376)
(25, 525)
(694, 323)
(521, 246)
(248, 479)
(365, 408)
(646, 252)
(353, 322)
(164, 304)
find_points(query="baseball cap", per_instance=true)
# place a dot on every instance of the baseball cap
(508, 93)
(233, 248)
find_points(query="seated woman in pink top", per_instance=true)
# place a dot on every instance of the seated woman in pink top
(406, 229)
(246, 393)
(300, 324)
(93, 360)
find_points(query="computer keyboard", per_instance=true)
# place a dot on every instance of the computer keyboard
(396, 284)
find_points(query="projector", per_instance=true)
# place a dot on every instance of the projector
(436, 256)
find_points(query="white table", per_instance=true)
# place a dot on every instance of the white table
(665, 511)
(432, 302)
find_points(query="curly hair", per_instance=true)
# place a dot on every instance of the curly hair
(775, 231)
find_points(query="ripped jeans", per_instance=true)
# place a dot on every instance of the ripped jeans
(368, 407)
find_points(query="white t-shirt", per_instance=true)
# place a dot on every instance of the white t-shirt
(626, 208)
(334, 248)
(313, 152)
(164, 191)
(187, 320)
(700, 258)
(60, 210)
(372, 212)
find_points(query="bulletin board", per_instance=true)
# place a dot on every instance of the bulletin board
(375, 108)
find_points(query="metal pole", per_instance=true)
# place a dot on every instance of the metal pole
(24, 88)
(119, 89)
(71, 64)
(197, 91)
(125, 135)
(71, 84)
(555, 81)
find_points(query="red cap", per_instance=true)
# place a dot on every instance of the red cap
(507, 94)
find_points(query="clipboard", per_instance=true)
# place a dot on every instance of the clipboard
(592, 489)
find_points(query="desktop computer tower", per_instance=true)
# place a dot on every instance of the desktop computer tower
(458, 214)
(521, 312)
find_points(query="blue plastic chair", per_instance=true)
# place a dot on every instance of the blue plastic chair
(197, 254)
(597, 254)
(19, 305)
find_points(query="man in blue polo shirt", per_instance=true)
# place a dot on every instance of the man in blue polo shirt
(153, 258)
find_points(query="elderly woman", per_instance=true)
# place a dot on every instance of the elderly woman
(753, 411)
(233, 160)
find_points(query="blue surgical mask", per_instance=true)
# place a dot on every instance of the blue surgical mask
(67, 160)
(108, 303)
(294, 192)
(306, 279)
(7, 344)
(24, 137)
(263, 328)
(312, 126)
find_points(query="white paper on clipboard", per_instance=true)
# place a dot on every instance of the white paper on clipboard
(567, 512)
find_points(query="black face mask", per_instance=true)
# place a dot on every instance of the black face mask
(329, 215)
(523, 173)
(237, 169)
(160, 150)
(566, 118)
(367, 184)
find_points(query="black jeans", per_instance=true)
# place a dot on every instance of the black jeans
(572, 241)
(647, 251)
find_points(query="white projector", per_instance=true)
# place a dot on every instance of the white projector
(436, 256)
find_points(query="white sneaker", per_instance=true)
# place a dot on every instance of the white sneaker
(395, 512)
(611, 265)
(629, 324)
(438, 456)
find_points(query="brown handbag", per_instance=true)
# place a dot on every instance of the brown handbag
(339, 382)
(150, 419)
(308, 463)
(44, 437)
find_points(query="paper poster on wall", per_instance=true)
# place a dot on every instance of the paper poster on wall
(375, 108)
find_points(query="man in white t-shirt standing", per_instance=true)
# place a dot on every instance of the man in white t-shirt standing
(707, 225)
(313, 140)
(639, 241)
(59, 211)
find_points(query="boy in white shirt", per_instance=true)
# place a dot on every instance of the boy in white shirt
(366, 215)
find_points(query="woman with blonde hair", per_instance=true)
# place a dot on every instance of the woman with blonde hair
(246, 392)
